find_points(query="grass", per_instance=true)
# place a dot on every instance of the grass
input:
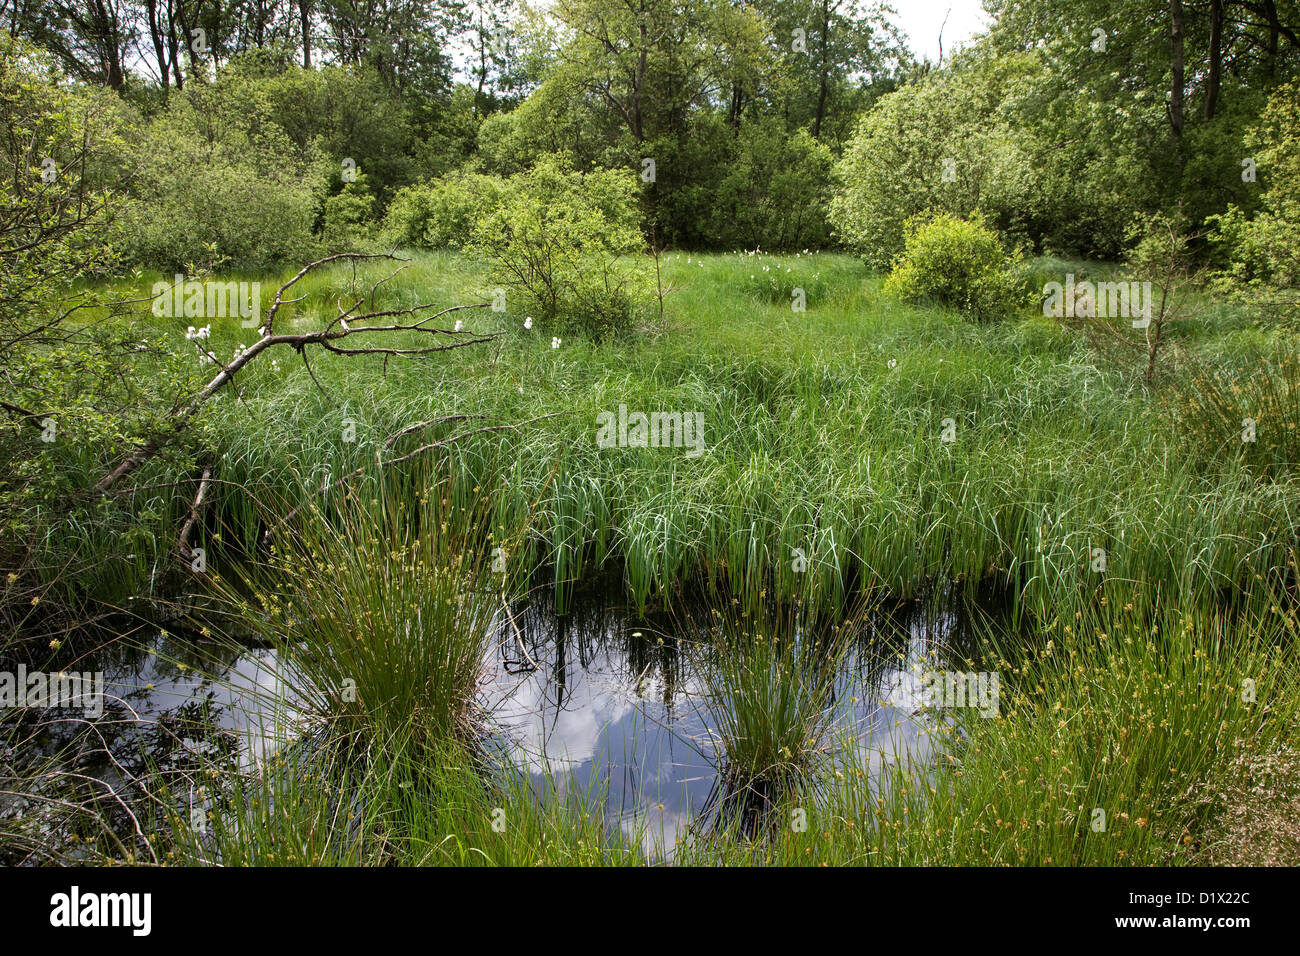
(1119, 714)
(333, 807)
(1148, 557)
(824, 432)
(1116, 736)
(380, 606)
(770, 674)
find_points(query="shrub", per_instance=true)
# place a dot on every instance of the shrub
(557, 241)
(260, 195)
(345, 113)
(81, 379)
(439, 214)
(1264, 252)
(348, 216)
(774, 191)
(959, 263)
(931, 147)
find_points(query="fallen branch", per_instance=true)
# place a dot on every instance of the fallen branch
(521, 666)
(327, 338)
(24, 414)
(183, 544)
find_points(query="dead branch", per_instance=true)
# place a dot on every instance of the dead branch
(326, 338)
(527, 664)
(183, 545)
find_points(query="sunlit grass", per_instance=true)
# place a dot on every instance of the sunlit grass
(824, 432)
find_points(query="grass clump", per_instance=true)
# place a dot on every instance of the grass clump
(440, 805)
(380, 609)
(1119, 735)
(770, 673)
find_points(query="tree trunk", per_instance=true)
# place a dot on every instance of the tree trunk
(821, 69)
(304, 18)
(159, 40)
(1176, 67)
(1213, 78)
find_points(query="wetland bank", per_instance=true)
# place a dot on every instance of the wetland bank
(649, 441)
(523, 647)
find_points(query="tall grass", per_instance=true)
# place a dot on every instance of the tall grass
(770, 673)
(1121, 734)
(823, 431)
(380, 605)
(826, 477)
(437, 806)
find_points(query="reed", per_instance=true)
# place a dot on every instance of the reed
(380, 604)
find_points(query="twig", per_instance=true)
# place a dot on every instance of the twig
(188, 527)
(531, 664)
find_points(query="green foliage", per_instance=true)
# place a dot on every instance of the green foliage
(260, 194)
(566, 247)
(349, 216)
(81, 379)
(377, 614)
(440, 214)
(58, 149)
(552, 120)
(339, 112)
(1263, 252)
(773, 191)
(959, 264)
(932, 147)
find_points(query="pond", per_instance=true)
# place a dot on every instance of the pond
(599, 702)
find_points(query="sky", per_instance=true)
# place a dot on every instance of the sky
(920, 21)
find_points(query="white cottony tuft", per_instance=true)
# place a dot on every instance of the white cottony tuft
(528, 322)
(189, 333)
(460, 326)
(555, 343)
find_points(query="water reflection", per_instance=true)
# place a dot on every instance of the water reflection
(614, 708)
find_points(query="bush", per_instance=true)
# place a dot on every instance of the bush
(81, 378)
(345, 113)
(959, 263)
(774, 192)
(558, 241)
(1263, 252)
(931, 147)
(440, 214)
(260, 195)
(348, 216)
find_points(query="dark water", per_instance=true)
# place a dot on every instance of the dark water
(613, 706)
